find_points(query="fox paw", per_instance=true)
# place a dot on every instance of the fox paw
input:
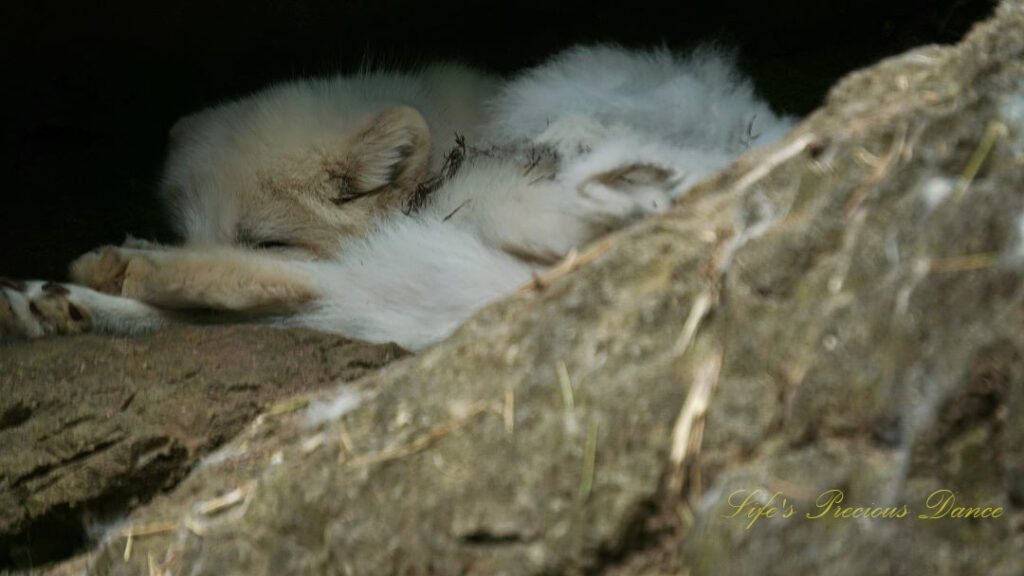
(103, 270)
(618, 196)
(35, 309)
(112, 269)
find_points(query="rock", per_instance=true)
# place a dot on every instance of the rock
(840, 312)
(93, 425)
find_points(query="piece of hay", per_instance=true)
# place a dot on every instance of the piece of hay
(589, 460)
(689, 423)
(565, 383)
(419, 444)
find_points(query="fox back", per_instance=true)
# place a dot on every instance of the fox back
(309, 163)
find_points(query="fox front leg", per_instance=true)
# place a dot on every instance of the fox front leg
(209, 277)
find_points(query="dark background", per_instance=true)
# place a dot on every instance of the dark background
(89, 91)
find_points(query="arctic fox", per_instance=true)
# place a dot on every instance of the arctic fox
(327, 205)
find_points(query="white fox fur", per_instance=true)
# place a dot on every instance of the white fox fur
(699, 101)
(332, 170)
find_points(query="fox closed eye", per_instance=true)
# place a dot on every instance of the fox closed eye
(250, 238)
(271, 244)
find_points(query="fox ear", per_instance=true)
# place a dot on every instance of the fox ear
(392, 150)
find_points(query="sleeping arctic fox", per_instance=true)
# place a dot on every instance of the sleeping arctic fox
(325, 204)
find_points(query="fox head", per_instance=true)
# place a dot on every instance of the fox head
(292, 168)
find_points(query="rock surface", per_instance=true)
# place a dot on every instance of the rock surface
(91, 425)
(841, 312)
